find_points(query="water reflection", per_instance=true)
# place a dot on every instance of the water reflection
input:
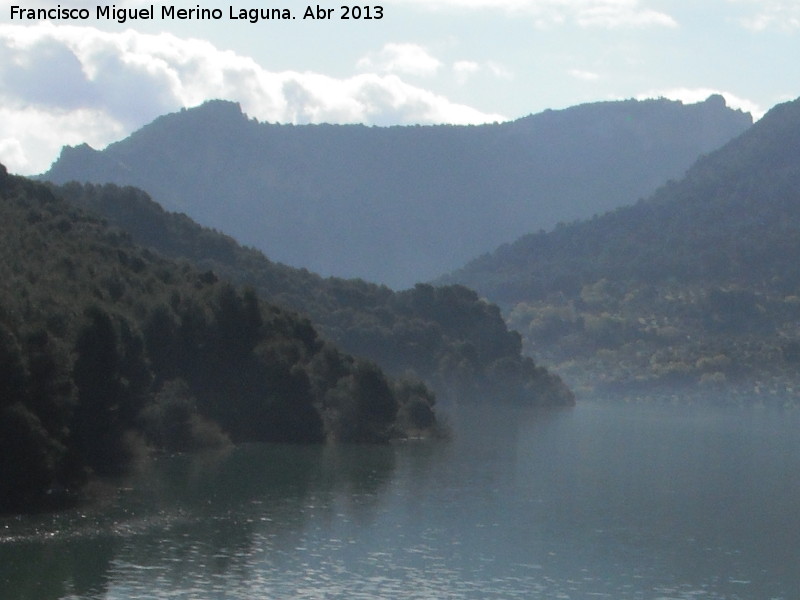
(185, 521)
(599, 501)
(60, 569)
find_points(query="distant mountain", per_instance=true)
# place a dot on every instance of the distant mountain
(699, 284)
(399, 205)
(456, 342)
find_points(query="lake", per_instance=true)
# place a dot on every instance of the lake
(649, 502)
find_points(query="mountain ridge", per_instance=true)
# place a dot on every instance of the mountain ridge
(398, 205)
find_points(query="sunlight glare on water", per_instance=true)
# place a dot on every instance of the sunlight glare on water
(622, 502)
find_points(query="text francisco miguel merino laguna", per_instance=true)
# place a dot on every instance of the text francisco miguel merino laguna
(253, 15)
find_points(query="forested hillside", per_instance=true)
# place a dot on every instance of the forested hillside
(399, 205)
(697, 285)
(456, 342)
(108, 350)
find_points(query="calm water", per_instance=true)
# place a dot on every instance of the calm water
(616, 502)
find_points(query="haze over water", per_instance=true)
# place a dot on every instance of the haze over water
(601, 501)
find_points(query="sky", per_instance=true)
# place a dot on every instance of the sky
(72, 81)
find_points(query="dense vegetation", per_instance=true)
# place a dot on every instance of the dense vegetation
(447, 336)
(698, 285)
(399, 205)
(108, 350)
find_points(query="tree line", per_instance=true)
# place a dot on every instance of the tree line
(109, 351)
(447, 336)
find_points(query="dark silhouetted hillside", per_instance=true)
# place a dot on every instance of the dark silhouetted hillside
(453, 340)
(108, 350)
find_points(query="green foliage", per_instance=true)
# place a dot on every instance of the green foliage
(12, 371)
(445, 335)
(645, 297)
(362, 407)
(173, 422)
(111, 385)
(416, 402)
(31, 460)
(108, 350)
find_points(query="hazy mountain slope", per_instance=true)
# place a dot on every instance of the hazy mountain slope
(456, 342)
(107, 349)
(403, 204)
(699, 282)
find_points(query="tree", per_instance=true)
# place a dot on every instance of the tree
(362, 407)
(108, 400)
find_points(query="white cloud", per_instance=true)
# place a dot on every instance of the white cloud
(405, 59)
(771, 14)
(67, 85)
(694, 95)
(12, 150)
(499, 71)
(465, 69)
(30, 138)
(586, 13)
(584, 75)
(621, 13)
